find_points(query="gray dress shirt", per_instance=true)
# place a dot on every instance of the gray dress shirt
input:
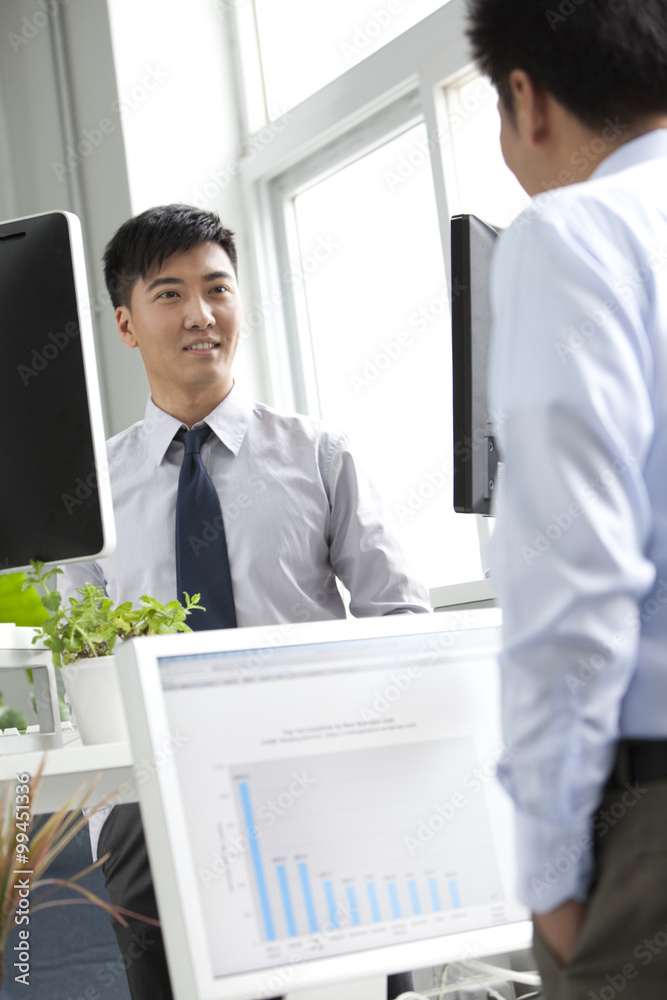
(297, 513)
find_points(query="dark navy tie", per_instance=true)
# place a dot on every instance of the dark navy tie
(202, 564)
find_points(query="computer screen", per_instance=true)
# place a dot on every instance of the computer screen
(475, 452)
(322, 804)
(55, 501)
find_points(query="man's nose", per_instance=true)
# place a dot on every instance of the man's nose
(199, 316)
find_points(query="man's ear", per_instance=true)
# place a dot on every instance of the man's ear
(124, 320)
(531, 109)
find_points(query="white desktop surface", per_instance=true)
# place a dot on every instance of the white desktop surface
(65, 770)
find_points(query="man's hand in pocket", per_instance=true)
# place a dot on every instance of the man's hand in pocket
(560, 928)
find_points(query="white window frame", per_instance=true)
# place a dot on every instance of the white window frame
(398, 86)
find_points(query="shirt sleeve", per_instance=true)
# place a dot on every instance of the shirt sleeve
(364, 553)
(571, 370)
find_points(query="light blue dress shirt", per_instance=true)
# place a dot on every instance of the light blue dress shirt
(579, 554)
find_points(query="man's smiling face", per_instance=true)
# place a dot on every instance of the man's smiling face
(185, 317)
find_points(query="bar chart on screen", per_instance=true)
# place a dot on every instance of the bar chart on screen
(335, 808)
(367, 841)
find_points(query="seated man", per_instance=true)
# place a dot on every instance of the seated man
(258, 511)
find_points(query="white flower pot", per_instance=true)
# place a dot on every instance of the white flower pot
(97, 704)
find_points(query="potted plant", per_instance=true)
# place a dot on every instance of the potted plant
(82, 638)
(25, 855)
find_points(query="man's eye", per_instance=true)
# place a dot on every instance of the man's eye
(168, 294)
(221, 288)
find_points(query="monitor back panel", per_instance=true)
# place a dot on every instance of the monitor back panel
(472, 246)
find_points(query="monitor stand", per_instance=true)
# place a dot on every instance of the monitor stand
(358, 989)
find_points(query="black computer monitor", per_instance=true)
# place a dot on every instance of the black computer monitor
(475, 451)
(55, 500)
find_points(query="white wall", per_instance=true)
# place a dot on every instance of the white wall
(139, 95)
(181, 123)
(57, 82)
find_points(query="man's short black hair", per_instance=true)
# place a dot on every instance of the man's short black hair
(599, 58)
(148, 239)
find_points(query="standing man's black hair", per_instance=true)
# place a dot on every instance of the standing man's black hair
(148, 239)
(600, 59)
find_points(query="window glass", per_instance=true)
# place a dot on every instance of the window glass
(481, 183)
(377, 308)
(305, 45)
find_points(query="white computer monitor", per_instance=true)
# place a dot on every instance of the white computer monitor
(319, 800)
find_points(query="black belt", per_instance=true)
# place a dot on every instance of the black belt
(639, 760)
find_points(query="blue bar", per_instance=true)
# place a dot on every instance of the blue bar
(331, 904)
(287, 902)
(454, 893)
(435, 895)
(251, 832)
(393, 899)
(414, 897)
(307, 897)
(352, 904)
(373, 900)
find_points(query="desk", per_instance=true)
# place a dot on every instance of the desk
(67, 768)
(70, 765)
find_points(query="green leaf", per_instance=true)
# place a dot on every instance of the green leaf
(10, 718)
(90, 626)
(19, 601)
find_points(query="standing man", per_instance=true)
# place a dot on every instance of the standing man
(579, 555)
(259, 511)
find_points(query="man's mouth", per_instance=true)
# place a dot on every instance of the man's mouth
(202, 345)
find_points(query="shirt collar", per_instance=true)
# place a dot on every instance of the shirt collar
(650, 146)
(229, 421)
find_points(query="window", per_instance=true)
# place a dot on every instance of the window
(350, 204)
(477, 179)
(305, 45)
